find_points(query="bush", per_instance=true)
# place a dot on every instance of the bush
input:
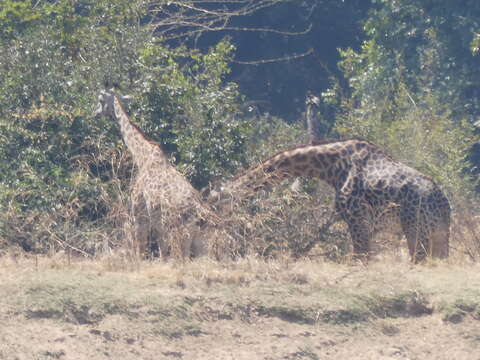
(64, 170)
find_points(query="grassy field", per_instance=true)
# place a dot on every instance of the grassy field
(61, 308)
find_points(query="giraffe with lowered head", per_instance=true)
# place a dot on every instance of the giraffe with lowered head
(368, 184)
(164, 204)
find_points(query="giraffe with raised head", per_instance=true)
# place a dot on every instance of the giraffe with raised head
(368, 184)
(163, 203)
(313, 126)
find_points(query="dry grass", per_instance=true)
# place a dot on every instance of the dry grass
(465, 230)
(447, 280)
(71, 308)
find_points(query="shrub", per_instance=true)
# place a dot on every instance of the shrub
(59, 167)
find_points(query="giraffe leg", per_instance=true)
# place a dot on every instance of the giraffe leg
(182, 236)
(147, 229)
(438, 210)
(186, 241)
(416, 231)
(199, 247)
(439, 241)
(356, 214)
(437, 234)
(417, 244)
(139, 233)
(194, 241)
(361, 235)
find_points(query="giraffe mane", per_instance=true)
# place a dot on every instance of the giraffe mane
(325, 141)
(136, 127)
(153, 142)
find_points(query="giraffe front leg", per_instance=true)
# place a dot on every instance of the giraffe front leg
(135, 232)
(355, 213)
(360, 233)
(143, 234)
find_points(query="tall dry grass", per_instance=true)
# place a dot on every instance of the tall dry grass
(286, 221)
(282, 223)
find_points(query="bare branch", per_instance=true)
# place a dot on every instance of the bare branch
(178, 19)
(279, 59)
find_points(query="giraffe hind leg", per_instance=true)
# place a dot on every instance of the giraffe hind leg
(145, 230)
(417, 232)
(136, 232)
(426, 237)
(439, 241)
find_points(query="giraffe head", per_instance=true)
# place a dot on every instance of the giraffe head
(312, 99)
(106, 101)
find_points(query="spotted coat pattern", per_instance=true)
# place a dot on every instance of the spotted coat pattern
(163, 203)
(367, 183)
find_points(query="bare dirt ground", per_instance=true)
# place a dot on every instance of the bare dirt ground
(54, 308)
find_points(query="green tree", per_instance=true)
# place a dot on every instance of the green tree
(413, 86)
(425, 44)
(15, 17)
(56, 160)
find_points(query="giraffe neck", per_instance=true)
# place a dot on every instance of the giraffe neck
(312, 123)
(328, 162)
(143, 150)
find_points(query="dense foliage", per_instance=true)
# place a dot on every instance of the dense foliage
(402, 73)
(54, 59)
(415, 85)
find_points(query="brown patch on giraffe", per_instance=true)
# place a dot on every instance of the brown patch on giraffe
(301, 168)
(360, 146)
(316, 162)
(349, 148)
(312, 173)
(380, 184)
(318, 143)
(269, 168)
(322, 160)
(300, 157)
(136, 128)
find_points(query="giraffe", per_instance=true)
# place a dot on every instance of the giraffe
(163, 203)
(313, 130)
(368, 185)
